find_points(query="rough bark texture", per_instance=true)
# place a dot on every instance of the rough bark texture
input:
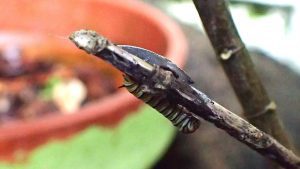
(181, 92)
(258, 108)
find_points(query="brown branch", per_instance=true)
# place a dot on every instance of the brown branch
(158, 79)
(258, 108)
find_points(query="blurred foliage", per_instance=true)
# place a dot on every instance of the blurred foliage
(256, 9)
(47, 91)
(261, 9)
(137, 143)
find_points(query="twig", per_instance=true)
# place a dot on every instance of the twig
(158, 79)
(258, 108)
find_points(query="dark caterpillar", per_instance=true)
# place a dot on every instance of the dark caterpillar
(183, 119)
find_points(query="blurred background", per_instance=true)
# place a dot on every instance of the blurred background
(269, 28)
(60, 108)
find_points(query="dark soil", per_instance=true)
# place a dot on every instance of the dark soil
(26, 84)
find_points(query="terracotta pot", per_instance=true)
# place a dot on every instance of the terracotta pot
(42, 28)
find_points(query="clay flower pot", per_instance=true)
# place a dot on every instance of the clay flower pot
(42, 28)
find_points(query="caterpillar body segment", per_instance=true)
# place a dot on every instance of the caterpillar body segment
(182, 118)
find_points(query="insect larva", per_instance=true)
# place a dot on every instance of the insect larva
(182, 118)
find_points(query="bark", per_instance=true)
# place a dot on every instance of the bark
(258, 108)
(157, 79)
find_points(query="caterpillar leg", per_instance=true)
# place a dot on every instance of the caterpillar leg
(180, 117)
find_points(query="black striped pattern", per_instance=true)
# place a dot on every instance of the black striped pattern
(183, 119)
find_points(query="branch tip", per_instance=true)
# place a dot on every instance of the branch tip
(88, 40)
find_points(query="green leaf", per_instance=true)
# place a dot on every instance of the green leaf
(137, 143)
(46, 92)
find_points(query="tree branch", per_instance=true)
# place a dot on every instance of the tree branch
(258, 108)
(181, 92)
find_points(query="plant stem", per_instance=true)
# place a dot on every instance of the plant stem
(258, 108)
(157, 79)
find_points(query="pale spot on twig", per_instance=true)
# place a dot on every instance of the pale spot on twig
(271, 106)
(267, 108)
(227, 53)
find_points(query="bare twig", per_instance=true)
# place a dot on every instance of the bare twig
(259, 109)
(158, 79)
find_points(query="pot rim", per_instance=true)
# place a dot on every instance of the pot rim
(176, 51)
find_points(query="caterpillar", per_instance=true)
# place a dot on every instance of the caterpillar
(182, 118)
